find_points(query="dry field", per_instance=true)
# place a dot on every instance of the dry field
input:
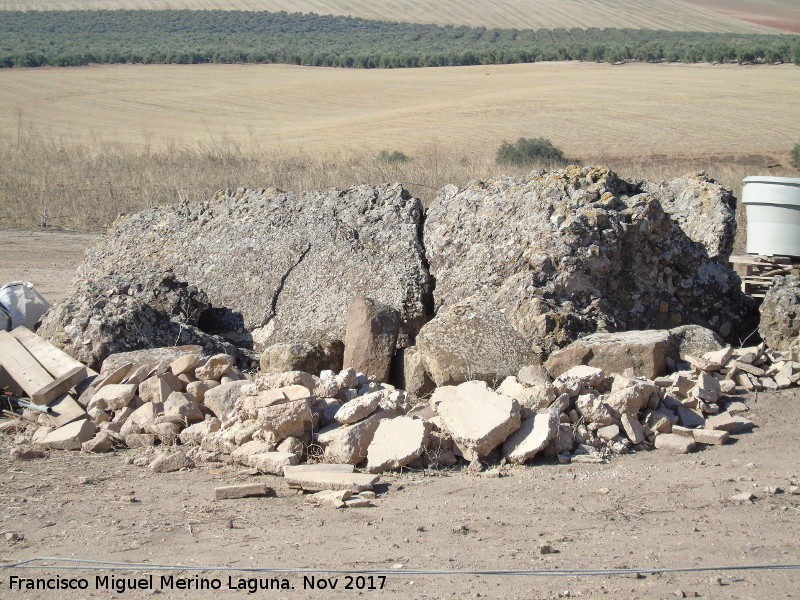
(644, 14)
(81, 145)
(773, 13)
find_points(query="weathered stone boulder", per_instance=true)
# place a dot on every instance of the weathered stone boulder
(693, 340)
(370, 337)
(575, 251)
(703, 209)
(266, 267)
(780, 313)
(221, 399)
(349, 443)
(310, 357)
(646, 352)
(478, 418)
(121, 312)
(471, 340)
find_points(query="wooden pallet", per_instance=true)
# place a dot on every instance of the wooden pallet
(758, 272)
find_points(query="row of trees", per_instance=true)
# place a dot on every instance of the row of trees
(71, 38)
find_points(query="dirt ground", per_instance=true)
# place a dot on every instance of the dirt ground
(640, 511)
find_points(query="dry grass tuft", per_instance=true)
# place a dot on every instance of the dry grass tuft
(52, 182)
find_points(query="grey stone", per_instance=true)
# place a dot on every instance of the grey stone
(221, 399)
(645, 352)
(275, 266)
(578, 250)
(272, 462)
(677, 444)
(471, 340)
(349, 443)
(70, 436)
(359, 408)
(310, 357)
(408, 372)
(320, 480)
(780, 313)
(171, 461)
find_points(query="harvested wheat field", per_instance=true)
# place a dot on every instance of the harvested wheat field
(586, 109)
(520, 14)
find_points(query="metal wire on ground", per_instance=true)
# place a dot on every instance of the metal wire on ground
(54, 562)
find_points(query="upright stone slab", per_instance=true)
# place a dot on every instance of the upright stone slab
(397, 442)
(370, 337)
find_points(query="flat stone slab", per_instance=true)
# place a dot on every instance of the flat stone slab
(322, 467)
(317, 481)
(245, 490)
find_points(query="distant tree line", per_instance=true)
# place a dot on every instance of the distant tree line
(72, 38)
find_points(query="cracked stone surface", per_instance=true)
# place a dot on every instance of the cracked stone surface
(276, 266)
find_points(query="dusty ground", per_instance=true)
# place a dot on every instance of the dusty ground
(645, 510)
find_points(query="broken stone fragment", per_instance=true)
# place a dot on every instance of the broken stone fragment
(594, 410)
(472, 340)
(359, 408)
(272, 462)
(197, 390)
(287, 419)
(690, 418)
(102, 442)
(349, 443)
(185, 364)
(532, 437)
(633, 429)
(70, 436)
(183, 405)
(478, 418)
(158, 388)
(710, 436)
(728, 422)
(113, 397)
(643, 351)
(320, 480)
(214, 368)
(171, 461)
(331, 498)
(245, 490)
(140, 440)
(221, 399)
(309, 357)
(397, 442)
(26, 453)
(608, 433)
(677, 444)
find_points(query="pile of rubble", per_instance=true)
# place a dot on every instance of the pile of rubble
(523, 265)
(173, 397)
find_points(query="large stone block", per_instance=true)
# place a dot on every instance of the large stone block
(471, 340)
(478, 418)
(645, 352)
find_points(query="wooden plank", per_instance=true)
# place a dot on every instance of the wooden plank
(64, 409)
(55, 361)
(62, 385)
(22, 366)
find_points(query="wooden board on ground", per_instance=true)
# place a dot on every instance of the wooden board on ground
(64, 409)
(22, 366)
(57, 362)
(59, 386)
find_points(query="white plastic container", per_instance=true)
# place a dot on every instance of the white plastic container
(773, 215)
